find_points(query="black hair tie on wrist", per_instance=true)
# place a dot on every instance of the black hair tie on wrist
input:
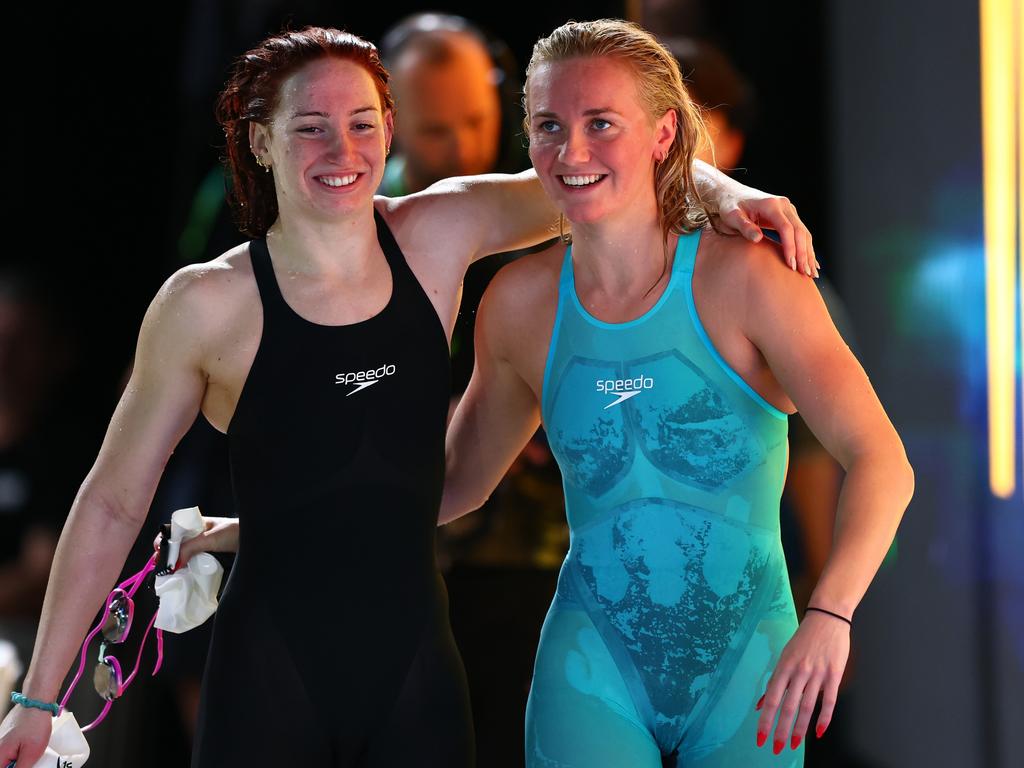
(822, 610)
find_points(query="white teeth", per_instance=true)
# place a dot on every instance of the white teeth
(581, 181)
(338, 181)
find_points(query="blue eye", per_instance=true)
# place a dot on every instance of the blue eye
(548, 126)
(600, 124)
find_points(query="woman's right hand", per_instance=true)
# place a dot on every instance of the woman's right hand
(24, 735)
(220, 534)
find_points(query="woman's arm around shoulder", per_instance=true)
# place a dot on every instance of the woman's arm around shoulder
(474, 216)
(500, 409)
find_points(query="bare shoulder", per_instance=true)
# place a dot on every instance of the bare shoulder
(732, 263)
(430, 208)
(529, 285)
(428, 222)
(202, 299)
(211, 282)
(517, 313)
(467, 217)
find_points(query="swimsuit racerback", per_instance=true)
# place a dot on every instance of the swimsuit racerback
(673, 603)
(332, 645)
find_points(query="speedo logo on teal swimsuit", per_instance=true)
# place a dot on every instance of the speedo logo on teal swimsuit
(623, 389)
(363, 379)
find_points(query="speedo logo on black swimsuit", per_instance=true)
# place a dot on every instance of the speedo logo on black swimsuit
(363, 379)
(623, 389)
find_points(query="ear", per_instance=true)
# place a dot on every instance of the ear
(389, 127)
(665, 128)
(259, 138)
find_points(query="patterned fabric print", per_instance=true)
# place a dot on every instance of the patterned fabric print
(662, 571)
(597, 457)
(687, 428)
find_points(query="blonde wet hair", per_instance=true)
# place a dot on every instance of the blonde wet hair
(660, 89)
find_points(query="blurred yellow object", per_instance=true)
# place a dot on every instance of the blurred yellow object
(1001, 37)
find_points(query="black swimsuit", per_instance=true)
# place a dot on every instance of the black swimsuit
(332, 645)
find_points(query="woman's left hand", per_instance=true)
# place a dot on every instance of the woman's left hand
(812, 663)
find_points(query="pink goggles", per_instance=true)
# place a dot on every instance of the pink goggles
(115, 624)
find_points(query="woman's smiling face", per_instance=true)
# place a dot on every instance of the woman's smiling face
(592, 142)
(327, 141)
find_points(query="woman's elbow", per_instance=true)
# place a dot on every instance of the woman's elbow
(900, 474)
(454, 505)
(906, 477)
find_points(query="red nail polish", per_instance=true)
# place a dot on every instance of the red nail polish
(761, 738)
(795, 742)
(760, 703)
(820, 730)
(778, 746)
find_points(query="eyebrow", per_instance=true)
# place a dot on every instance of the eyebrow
(328, 114)
(595, 111)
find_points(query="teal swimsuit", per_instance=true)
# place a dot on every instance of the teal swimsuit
(673, 603)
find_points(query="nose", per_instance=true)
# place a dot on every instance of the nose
(340, 148)
(574, 149)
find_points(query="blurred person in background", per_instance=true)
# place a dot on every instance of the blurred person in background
(447, 85)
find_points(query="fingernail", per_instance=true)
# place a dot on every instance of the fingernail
(778, 746)
(762, 737)
(820, 730)
(795, 741)
(760, 703)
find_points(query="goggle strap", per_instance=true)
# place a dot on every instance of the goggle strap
(99, 718)
(83, 654)
(142, 646)
(134, 582)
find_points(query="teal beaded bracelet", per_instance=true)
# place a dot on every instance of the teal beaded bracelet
(25, 701)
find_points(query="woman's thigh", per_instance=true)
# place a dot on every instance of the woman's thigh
(430, 724)
(580, 714)
(727, 735)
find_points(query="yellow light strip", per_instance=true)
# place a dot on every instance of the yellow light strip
(999, 134)
(1018, 48)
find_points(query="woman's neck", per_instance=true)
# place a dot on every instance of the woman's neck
(336, 247)
(620, 261)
